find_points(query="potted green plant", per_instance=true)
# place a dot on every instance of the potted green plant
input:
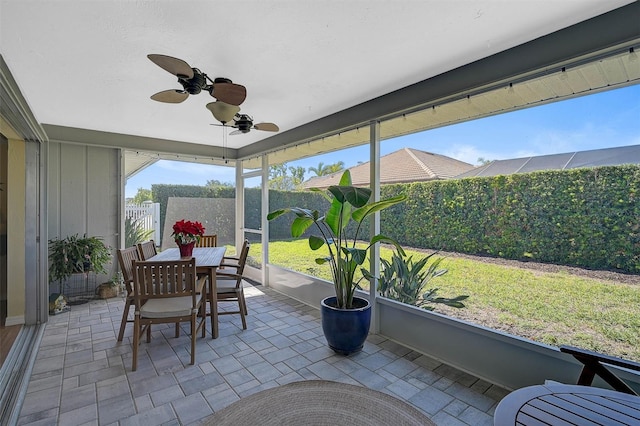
(345, 317)
(73, 254)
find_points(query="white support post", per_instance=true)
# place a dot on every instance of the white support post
(156, 223)
(239, 237)
(374, 182)
(263, 220)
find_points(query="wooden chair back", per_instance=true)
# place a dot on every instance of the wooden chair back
(236, 269)
(229, 283)
(167, 292)
(147, 249)
(242, 259)
(208, 241)
(162, 279)
(125, 260)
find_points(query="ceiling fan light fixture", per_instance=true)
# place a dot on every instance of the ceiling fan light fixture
(223, 112)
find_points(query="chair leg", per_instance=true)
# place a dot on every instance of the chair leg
(136, 342)
(203, 316)
(177, 330)
(125, 319)
(194, 331)
(149, 333)
(242, 309)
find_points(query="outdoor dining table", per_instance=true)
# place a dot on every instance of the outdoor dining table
(560, 404)
(208, 259)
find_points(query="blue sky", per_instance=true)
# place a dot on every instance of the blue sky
(603, 120)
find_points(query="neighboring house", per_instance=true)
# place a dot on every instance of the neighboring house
(402, 166)
(569, 160)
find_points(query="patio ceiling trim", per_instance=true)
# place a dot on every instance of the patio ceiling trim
(15, 109)
(149, 149)
(587, 41)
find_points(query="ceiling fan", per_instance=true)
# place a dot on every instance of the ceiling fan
(243, 123)
(194, 81)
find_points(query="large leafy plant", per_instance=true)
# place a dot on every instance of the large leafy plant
(408, 281)
(344, 255)
(74, 254)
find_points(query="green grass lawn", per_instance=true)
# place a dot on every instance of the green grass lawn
(552, 308)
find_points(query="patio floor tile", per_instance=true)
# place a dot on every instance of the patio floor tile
(83, 375)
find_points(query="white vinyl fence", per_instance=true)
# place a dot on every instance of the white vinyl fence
(148, 215)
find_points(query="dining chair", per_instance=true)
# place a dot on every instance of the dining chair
(208, 241)
(147, 249)
(230, 283)
(125, 260)
(231, 262)
(167, 292)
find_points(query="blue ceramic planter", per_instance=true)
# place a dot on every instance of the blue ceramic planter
(346, 329)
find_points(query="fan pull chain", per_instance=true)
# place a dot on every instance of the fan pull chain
(224, 145)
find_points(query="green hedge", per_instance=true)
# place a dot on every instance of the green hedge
(582, 217)
(280, 228)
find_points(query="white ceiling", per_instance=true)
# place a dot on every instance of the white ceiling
(83, 63)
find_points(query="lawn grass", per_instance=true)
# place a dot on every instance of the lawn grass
(552, 308)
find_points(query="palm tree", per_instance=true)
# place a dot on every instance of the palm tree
(323, 170)
(336, 167)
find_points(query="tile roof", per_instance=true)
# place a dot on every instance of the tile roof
(404, 165)
(564, 161)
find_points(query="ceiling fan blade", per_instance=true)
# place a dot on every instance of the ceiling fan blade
(222, 111)
(170, 96)
(175, 66)
(237, 132)
(230, 93)
(269, 127)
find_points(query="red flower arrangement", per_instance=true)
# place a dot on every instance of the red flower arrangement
(185, 232)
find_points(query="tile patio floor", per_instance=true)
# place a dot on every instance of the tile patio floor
(82, 375)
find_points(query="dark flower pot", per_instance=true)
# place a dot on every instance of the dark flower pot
(346, 329)
(186, 250)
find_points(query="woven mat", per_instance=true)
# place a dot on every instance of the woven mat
(319, 402)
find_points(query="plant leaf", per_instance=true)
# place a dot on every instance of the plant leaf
(299, 225)
(358, 255)
(277, 213)
(315, 242)
(337, 217)
(384, 239)
(367, 209)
